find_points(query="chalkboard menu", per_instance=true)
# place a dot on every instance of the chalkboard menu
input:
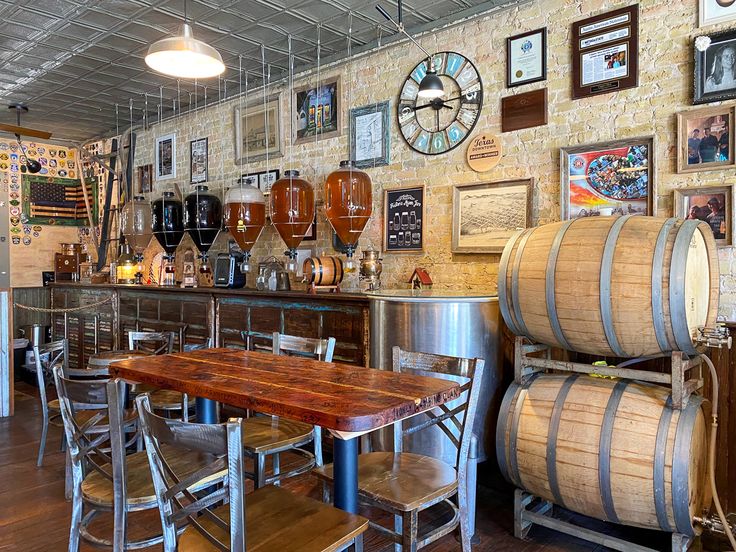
(403, 220)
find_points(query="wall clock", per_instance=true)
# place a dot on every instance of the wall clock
(435, 126)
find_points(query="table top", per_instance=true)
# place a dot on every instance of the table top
(336, 396)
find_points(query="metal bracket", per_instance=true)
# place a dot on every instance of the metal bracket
(530, 510)
(683, 378)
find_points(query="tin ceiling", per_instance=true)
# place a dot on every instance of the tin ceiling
(72, 61)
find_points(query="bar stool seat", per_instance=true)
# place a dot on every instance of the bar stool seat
(267, 435)
(97, 490)
(402, 480)
(281, 520)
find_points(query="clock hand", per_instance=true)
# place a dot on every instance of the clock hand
(437, 113)
(430, 105)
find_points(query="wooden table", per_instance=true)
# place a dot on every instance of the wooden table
(347, 400)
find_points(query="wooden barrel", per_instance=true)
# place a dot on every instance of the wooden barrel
(616, 286)
(323, 271)
(611, 449)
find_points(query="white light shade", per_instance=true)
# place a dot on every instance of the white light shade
(185, 57)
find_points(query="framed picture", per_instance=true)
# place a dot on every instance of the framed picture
(258, 131)
(145, 179)
(526, 58)
(608, 178)
(605, 52)
(318, 111)
(262, 180)
(705, 139)
(198, 160)
(370, 135)
(711, 12)
(403, 220)
(715, 69)
(311, 234)
(713, 205)
(485, 216)
(166, 157)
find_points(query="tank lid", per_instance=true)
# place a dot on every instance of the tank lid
(201, 188)
(244, 193)
(168, 194)
(291, 172)
(347, 163)
(139, 198)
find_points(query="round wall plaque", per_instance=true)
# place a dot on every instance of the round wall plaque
(484, 152)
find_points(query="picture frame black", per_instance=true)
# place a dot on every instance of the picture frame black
(405, 209)
(706, 89)
(379, 111)
(512, 79)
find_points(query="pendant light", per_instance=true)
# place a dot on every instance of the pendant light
(430, 86)
(30, 165)
(184, 56)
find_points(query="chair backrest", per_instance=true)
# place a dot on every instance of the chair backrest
(455, 419)
(165, 438)
(58, 355)
(189, 347)
(321, 349)
(155, 343)
(95, 442)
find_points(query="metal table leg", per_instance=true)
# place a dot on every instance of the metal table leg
(346, 474)
(206, 411)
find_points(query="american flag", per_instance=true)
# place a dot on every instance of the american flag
(50, 199)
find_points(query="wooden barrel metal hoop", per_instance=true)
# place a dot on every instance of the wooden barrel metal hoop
(680, 479)
(604, 449)
(657, 272)
(554, 427)
(606, 301)
(660, 454)
(502, 285)
(554, 252)
(515, 282)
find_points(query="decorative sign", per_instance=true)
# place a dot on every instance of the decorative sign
(484, 152)
(403, 220)
(524, 110)
(606, 53)
(262, 180)
(57, 201)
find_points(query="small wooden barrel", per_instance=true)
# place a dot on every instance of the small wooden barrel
(616, 286)
(611, 449)
(323, 271)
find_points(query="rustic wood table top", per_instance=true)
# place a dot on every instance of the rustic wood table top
(343, 398)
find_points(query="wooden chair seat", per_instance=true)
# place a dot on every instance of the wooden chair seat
(98, 490)
(402, 480)
(279, 520)
(162, 399)
(265, 434)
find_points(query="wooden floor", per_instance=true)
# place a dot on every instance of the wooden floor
(35, 517)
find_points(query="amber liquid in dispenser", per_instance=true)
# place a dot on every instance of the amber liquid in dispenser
(348, 202)
(245, 221)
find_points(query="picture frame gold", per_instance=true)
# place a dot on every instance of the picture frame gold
(700, 198)
(690, 160)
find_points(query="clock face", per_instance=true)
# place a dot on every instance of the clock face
(436, 125)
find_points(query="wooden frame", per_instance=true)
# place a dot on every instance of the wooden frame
(309, 132)
(257, 110)
(56, 213)
(596, 40)
(684, 155)
(583, 154)
(162, 157)
(527, 44)
(525, 110)
(198, 176)
(385, 135)
(495, 202)
(720, 17)
(682, 207)
(260, 179)
(706, 88)
(420, 224)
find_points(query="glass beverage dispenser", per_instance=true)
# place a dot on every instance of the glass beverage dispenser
(167, 224)
(292, 212)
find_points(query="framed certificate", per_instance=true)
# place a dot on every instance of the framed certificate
(526, 58)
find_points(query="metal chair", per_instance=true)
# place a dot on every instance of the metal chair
(276, 519)
(403, 483)
(165, 400)
(58, 352)
(104, 478)
(265, 436)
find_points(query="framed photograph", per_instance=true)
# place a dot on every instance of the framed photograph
(609, 178)
(705, 139)
(166, 157)
(370, 135)
(606, 52)
(713, 205)
(715, 69)
(318, 111)
(262, 180)
(485, 216)
(403, 220)
(711, 12)
(526, 58)
(145, 179)
(198, 160)
(258, 131)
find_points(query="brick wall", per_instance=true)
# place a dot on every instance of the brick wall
(667, 29)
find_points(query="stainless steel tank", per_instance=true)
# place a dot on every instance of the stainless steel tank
(462, 324)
